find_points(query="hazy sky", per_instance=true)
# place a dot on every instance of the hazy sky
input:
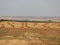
(29, 7)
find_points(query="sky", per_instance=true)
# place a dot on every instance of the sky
(29, 7)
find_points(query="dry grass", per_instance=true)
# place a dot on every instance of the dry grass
(22, 33)
(29, 25)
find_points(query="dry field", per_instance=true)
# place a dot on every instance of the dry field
(29, 33)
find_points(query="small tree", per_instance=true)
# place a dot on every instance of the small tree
(50, 21)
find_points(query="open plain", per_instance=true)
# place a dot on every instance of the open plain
(29, 33)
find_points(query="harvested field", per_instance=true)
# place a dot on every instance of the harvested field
(29, 33)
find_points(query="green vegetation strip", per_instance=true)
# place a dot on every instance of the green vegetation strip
(49, 21)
